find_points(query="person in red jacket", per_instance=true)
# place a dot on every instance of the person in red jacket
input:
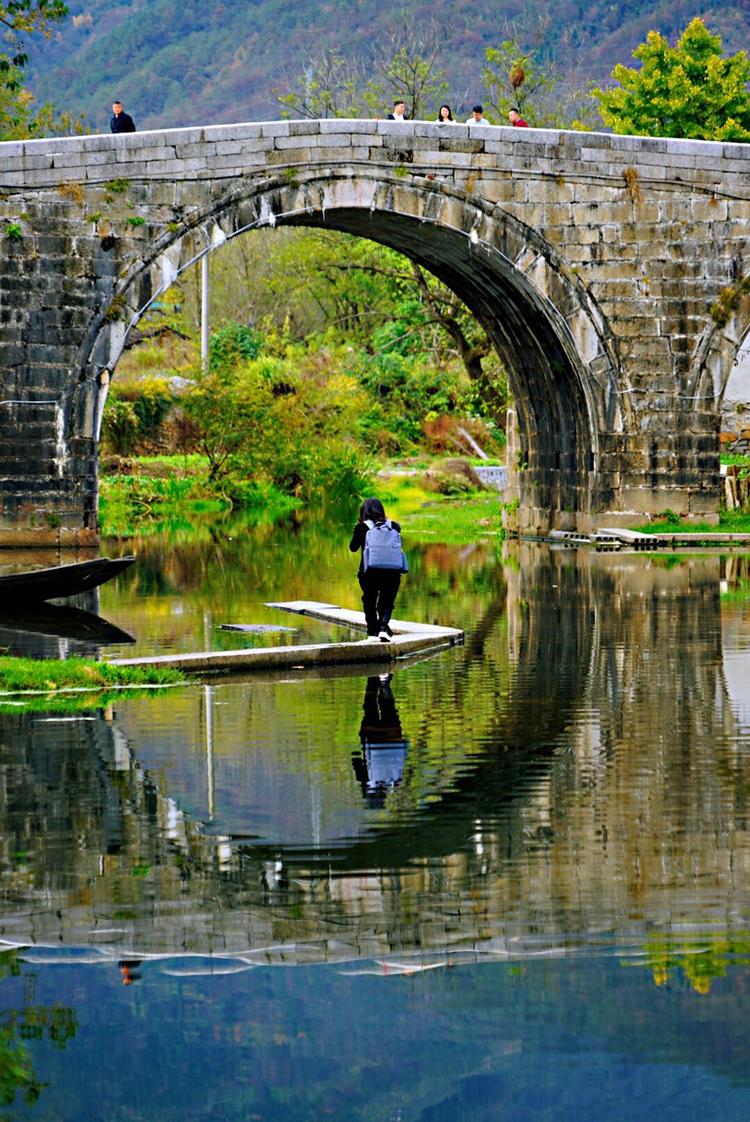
(517, 120)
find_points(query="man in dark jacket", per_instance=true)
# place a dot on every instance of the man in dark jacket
(121, 121)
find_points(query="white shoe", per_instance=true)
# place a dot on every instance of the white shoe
(384, 637)
(372, 639)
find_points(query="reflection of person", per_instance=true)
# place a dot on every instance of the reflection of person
(379, 586)
(444, 116)
(120, 120)
(380, 766)
(129, 971)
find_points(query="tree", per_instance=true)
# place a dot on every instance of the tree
(689, 90)
(527, 80)
(405, 65)
(19, 117)
(19, 18)
(513, 77)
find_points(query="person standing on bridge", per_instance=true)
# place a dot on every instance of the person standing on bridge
(516, 119)
(399, 112)
(380, 580)
(477, 116)
(445, 117)
(120, 121)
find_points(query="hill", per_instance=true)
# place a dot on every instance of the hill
(180, 63)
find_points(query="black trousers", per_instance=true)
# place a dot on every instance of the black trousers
(379, 590)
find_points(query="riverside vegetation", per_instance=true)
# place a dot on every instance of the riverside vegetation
(367, 363)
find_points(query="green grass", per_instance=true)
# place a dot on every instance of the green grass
(52, 675)
(430, 518)
(730, 522)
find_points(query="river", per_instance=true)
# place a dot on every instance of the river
(511, 881)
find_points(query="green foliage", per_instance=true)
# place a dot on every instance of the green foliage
(20, 18)
(689, 90)
(134, 414)
(22, 119)
(136, 220)
(20, 674)
(117, 186)
(152, 403)
(13, 231)
(195, 64)
(728, 301)
(232, 344)
(119, 425)
(504, 66)
(340, 474)
(404, 64)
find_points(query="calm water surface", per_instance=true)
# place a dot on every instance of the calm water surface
(508, 882)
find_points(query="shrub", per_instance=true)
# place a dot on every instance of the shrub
(135, 414)
(340, 473)
(231, 345)
(120, 426)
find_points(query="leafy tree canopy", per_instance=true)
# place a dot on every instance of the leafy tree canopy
(18, 18)
(405, 64)
(20, 118)
(690, 90)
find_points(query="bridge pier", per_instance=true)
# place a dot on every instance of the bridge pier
(611, 274)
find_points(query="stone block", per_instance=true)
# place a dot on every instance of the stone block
(226, 134)
(289, 156)
(346, 124)
(454, 144)
(285, 142)
(345, 155)
(434, 158)
(275, 128)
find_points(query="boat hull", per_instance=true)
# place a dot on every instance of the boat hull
(58, 582)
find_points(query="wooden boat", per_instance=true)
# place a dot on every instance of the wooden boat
(60, 581)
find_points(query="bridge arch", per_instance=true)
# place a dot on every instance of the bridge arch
(717, 350)
(560, 356)
(592, 260)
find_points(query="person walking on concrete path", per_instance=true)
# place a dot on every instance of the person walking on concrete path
(379, 586)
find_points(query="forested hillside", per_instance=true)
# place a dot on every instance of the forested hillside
(181, 62)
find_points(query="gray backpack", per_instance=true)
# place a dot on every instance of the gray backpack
(383, 548)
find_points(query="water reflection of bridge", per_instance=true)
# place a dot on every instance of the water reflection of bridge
(602, 787)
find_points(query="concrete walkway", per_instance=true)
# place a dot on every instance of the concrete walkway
(409, 639)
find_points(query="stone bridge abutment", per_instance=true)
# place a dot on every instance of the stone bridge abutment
(611, 274)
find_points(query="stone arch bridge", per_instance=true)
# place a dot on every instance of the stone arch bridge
(611, 273)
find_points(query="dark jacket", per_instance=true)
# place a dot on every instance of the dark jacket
(122, 122)
(359, 533)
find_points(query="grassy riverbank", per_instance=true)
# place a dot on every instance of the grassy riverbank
(730, 522)
(73, 683)
(165, 494)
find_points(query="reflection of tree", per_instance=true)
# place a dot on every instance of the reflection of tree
(33, 1022)
(701, 960)
(570, 768)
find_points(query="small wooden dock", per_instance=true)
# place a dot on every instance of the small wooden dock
(409, 640)
(614, 538)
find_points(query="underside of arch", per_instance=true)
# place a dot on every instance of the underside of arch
(561, 359)
(716, 353)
